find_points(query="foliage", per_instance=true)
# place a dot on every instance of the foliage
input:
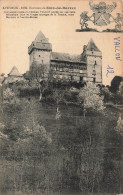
(30, 150)
(8, 95)
(115, 83)
(47, 148)
(43, 154)
(108, 96)
(90, 96)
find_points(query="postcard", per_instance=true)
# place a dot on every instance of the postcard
(61, 93)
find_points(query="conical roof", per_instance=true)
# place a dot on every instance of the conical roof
(40, 42)
(41, 38)
(14, 72)
(92, 46)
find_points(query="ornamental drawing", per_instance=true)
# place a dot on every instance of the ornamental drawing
(101, 16)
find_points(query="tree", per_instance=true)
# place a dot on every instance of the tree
(91, 98)
(37, 74)
(91, 168)
(115, 83)
(40, 76)
(58, 96)
(36, 143)
(108, 96)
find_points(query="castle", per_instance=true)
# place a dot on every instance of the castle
(79, 68)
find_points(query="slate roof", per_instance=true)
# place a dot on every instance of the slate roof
(66, 57)
(14, 72)
(41, 38)
(91, 46)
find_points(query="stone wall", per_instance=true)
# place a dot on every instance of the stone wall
(91, 59)
(40, 57)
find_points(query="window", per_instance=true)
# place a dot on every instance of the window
(94, 79)
(81, 79)
(95, 64)
(39, 56)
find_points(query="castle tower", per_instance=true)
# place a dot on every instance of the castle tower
(40, 51)
(93, 57)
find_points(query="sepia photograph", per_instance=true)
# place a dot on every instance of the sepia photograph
(61, 97)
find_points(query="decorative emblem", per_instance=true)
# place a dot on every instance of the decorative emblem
(101, 17)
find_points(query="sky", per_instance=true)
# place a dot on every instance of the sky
(17, 34)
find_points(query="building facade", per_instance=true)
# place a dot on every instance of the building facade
(84, 67)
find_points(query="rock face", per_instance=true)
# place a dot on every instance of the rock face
(86, 66)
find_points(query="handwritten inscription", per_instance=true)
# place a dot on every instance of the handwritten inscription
(117, 48)
(109, 70)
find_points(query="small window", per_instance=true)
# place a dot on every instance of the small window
(81, 79)
(39, 56)
(95, 63)
(94, 71)
(94, 79)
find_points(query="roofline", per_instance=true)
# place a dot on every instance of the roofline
(68, 61)
(15, 75)
(29, 52)
(94, 43)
